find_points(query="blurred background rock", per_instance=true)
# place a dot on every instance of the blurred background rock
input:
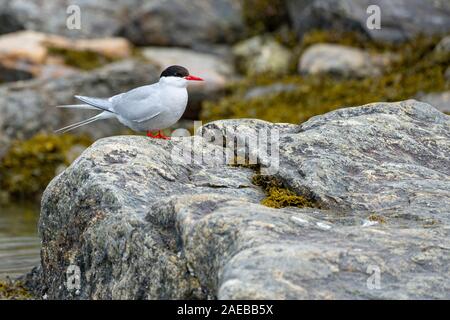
(276, 60)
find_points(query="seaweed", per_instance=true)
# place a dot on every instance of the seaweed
(29, 165)
(416, 68)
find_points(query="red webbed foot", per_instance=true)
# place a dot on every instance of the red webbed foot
(160, 135)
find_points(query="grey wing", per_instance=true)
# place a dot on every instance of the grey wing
(138, 105)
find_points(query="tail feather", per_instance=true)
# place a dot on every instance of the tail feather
(101, 116)
(78, 106)
(103, 104)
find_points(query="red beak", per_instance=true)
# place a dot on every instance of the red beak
(193, 78)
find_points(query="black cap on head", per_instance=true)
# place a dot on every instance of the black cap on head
(175, 71)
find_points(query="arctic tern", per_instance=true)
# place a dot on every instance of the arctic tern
(143, 109)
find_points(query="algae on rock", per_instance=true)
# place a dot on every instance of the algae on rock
(29, 165)
(416, 68)
(84, 60)
(279, 196)
(13, 291)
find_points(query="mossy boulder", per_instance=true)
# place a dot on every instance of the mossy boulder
(143, 219)
(417, 68)
(340, 61)
(29, 165)
(400, 20)
(81, 59)
(262, 54)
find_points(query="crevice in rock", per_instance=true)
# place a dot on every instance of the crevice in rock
(277, 194)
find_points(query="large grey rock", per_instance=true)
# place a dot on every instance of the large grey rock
(373, 158)
(400, 19)
(101, 18)
(142, 220)
(194, 23)
(125, 240)
(340, 61)
(269, 90)
(28, 107)
(155, 22)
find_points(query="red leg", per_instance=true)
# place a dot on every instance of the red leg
(160, 135)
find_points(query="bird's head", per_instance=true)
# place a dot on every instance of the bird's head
(177, 76)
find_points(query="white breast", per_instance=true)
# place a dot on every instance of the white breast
(174, 100)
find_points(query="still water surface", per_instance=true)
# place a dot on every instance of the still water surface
(19, 242)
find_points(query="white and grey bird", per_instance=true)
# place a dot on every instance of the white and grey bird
(144, 109)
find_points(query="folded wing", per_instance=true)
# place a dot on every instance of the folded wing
(139, 105)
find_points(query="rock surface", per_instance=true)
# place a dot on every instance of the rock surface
(28, 54)
(143, 22)
(33, 46)
(102, 18)
(221, 22)
(268, 90)
(143, 221)
(400, 19)
(340, 61)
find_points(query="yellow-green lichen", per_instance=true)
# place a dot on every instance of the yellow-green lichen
(377, 218)
(416, 68)
(13, 291)
(29, 165)
(81, 59)
(278, 196)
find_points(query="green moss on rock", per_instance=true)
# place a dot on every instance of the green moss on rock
(416, 68)
(84, 60)
(29, 165)
(345, 38)
(13, 291)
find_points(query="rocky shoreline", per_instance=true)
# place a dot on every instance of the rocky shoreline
(279, 61)
(347, 203)
(141, 222)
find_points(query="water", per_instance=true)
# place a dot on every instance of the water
(19, 242)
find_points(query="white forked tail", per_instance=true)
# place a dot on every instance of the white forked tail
(99, 103)
(90, 104)
(78, 106)
(100, 116)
